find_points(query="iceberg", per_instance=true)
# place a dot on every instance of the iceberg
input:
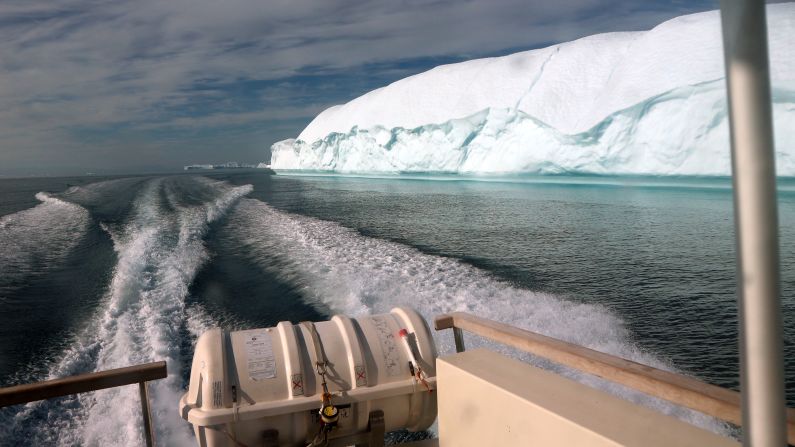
(646, 103)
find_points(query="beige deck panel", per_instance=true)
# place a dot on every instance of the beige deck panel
(488, 399)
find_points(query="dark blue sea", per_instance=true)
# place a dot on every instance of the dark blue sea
(98, 273)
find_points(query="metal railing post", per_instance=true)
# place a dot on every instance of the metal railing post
(756, 221)
(83, 383)
(458, 336)
(143, 387)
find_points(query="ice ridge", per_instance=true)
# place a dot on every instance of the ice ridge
(647, 103)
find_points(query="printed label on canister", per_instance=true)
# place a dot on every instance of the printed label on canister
(259, 354)
(361, 375)
(297, 382)
(389, 350)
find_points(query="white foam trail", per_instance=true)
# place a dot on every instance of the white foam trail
(198, 322)
(34, 240)
(94, 192)
(159, 252)
(353, 275)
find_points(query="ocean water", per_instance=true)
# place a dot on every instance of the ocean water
(97, 273)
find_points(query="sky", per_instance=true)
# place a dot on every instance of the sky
(117, 86)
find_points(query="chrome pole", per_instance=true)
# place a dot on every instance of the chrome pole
(756, 221)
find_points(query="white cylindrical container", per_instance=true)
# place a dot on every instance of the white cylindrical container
(246, 383)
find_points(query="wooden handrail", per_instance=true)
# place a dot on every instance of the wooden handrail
(82, 383)
(140, 374)
(686, 391)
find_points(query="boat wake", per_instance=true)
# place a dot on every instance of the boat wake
(341, 270)
(142, 318)
(160, 247)
(36, 240)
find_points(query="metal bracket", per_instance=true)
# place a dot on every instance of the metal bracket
(374, 437)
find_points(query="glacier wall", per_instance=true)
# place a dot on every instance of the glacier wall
(649, 103)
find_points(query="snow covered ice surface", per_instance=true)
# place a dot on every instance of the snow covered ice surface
(649, 103)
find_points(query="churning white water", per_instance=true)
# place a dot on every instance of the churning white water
(159, 251)
(352, 274)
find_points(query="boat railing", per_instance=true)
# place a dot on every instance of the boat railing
(681, 390)
(48, 389)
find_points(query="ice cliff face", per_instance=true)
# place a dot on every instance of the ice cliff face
(623, 103)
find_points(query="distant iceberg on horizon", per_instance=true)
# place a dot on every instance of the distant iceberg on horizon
(635, 103)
